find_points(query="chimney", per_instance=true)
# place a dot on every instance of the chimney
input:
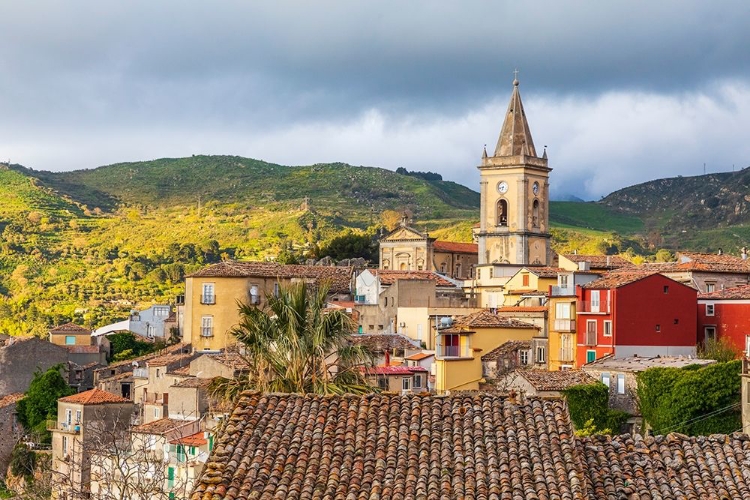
(609, 260)
(744, 253)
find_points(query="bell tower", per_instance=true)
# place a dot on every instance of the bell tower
(514, 189)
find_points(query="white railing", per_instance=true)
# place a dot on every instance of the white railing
(565, 325)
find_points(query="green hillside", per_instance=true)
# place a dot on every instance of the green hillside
(91, 244)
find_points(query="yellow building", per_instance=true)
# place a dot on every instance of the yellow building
(460, 346)
(529, 286)
(213, 293)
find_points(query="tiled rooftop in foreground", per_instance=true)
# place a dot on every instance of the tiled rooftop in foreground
(474, 445)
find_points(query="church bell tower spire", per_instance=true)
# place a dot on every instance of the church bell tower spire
(514, 219)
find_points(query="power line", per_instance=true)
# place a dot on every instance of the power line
(698, 418)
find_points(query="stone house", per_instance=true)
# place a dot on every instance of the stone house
(189, 399)
(21, 357)
(401, 379)
(10, 429)
(152, 383)
(619, 375)
(85, 421)
(388, 349)
(705, 272)
(542, 383)
(507, 357)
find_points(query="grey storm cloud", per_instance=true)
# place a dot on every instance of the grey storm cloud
(622, 92)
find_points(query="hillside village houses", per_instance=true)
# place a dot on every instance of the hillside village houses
(483, 332)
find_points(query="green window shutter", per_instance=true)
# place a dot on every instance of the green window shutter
(170, 473)
(210, 442)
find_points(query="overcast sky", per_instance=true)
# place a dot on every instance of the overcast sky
(620, 92)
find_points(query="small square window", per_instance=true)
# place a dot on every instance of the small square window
(709, 309)
(666, 289)
(658, 328)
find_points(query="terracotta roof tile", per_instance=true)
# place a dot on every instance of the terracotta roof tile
(11, 399)
(389, 277)
(94, 397)
(486, 319)
(197, 439)
(703, 262)
(389, 446)
(616, 279)
(175, 360)
(419, 356)
(506, 349)
(161, 426)
(734, 293)
(545, 272)
(455, 247)
(70, 328)
(669, 467)
(232, 360)
(522, 309)
(543, 380)
(181, 371)
(395, 370)
(600, 261)
(380, 342)
(339, 277)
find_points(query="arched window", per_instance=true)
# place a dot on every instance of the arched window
(502, 213)
(403, 266)
(535, 214)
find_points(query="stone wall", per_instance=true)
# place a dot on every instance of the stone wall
(22, 357)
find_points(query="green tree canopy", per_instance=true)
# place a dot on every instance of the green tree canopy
(40, 401)
(351, 245)
(294, 345)
(693, 400)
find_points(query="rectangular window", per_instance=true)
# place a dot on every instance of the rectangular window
(562, 310)
(68, 416)
(563, 280)
(479, 274)
(65, 445)
(607, 328)
(620, 383)
(406, 383)
(208, 296)
(524, 355)
(747, 345)
(591, 332)
(525, 279)
(666, 289)
(590, 356)
(710, 287)
(595, 301)
(709, 333)
(658, 328)
(540, 354)
(605, 379)
(78, 416)
(70, 340)
(451, 346)
(709, 309)
(492, 272)
(417, 381)
(207, 326)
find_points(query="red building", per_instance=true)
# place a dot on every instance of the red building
(726, 314)
(637, 313)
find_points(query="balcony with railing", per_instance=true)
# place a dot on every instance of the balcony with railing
(565, 325)
(72, 428)
(208, 299)
(563, 291)
(587, 306)
(140, 372)
(207, 331)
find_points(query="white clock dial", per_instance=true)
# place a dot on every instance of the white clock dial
(502, 187)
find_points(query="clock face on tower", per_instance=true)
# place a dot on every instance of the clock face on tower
(502, 187)
(535, 188)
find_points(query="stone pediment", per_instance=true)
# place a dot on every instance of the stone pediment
(405, 233)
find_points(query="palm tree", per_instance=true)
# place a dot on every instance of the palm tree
(295, 345)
